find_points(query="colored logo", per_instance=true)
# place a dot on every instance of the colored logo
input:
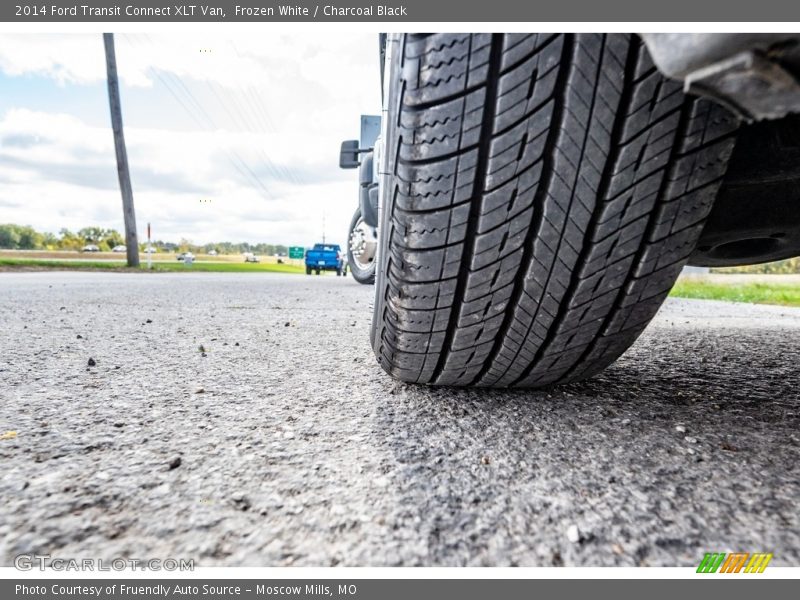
(734, 563)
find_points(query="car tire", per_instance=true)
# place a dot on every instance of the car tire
(542, 193)
(308, 270)
(362, 272)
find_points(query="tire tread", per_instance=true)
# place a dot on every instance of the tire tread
(545, 192)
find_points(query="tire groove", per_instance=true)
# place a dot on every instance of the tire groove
(538, 215)
(652, 223)
(495, 56)
(605, 182)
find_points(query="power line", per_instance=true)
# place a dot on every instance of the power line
(188, 97)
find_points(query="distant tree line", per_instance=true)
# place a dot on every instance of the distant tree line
(221, 247)
(25, 237)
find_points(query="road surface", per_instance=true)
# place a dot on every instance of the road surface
(240, 419)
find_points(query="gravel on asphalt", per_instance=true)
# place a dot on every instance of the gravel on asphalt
(242, 420)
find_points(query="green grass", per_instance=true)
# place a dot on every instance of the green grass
(157, 266)
(780, 293)
(783, 294)
(227, 267)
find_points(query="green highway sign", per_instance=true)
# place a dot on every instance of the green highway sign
(296, 252)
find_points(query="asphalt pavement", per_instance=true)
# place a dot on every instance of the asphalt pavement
(240, 419)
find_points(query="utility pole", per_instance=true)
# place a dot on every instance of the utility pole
(131, 239)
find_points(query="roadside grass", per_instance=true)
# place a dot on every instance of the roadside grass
(782, 294)
(109, 265)
(62, 264)
(166, 257)
(227, 267)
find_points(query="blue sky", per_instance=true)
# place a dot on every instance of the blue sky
(228, 139)
(44, 94)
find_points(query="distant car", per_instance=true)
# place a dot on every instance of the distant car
(150, 250)
(249, 257)
(324, 257)
(90, 248)
(119, 249)
(184, 255)
(212, 252)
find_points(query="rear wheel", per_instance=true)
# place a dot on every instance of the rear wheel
(361, 247)
(544, 192)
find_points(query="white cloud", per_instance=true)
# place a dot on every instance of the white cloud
(275, 106)
(60, 172)
(65, 58)
(79, 58)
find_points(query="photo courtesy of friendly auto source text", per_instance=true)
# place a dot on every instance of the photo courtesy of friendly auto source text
(423, 299)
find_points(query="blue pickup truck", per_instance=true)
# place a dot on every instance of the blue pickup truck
(325, 257)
